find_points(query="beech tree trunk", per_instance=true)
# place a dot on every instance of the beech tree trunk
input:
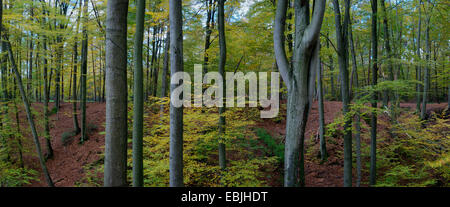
(222, 62)
(176, 113)
(342, 46)
(426, 75)
(357, 115)
(296, 79)
(418, 68)
(323, 147)
(165, 67)
(46, 100)
(76, 126)
(48, 179)
(84, 55)
(209, 19)
(138, 101)
(387, 46)
(115, 173)
(373, 122)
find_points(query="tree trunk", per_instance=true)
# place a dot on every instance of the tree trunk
(76, 126)
(4, 74)
(147, 85)
(222, 62)
(176, 113)
(93, 74)
(84, 55)
(46, 100)
(138, 101)
(333, 88)
(209, 17)
(418, 68)
(104, 78)
(387, 46)
(323, 147)
(156, 66)
(373, 122)
(29, 115)
(30, 68)
(342, 46)
(426, 77)
(115, 173)
(357, 115)
(296, 80)
(165, 67)
(58, 75)
(152, 64)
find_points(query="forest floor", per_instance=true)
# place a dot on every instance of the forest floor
(66, 166)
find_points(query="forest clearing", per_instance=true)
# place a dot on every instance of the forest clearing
(224, 93)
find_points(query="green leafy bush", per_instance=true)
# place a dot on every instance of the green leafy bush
(418, 156)
(274, 148)
(67, 137)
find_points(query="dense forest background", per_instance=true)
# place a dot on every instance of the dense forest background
(85, 88)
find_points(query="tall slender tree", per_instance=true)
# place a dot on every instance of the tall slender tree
(418, 67)
(210, 10)
(373, 122)
(176, 113)
(342, 46)
(115, 173)
(84, 56)
(48, 179)
(426, 75)
(296, 79)
(387, 46)
(222, 62)
(357, 115)
(323, 147)
(138, 101)
(76, 126)
(165, 67)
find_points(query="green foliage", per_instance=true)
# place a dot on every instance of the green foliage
(91, 127)
(273, 147)
(200, 149)
(52, 111)
(67, 137)
(93, 173)
(420, 156)
(11, 176)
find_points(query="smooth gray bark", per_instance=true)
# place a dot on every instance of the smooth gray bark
(76, 126)
(48, 179)
(373, 122)
(222, 62)
(156, 64)
(84, 56)
(46, 100)
(209, 19)
(116, 94)
(138, 101)
(30, 68)
(323, 147)
(426, 75)
(418, 68)
(297, 80)
(165, 67)
(342, 45)
(387, 46)
(176, 113)
(357, 115)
